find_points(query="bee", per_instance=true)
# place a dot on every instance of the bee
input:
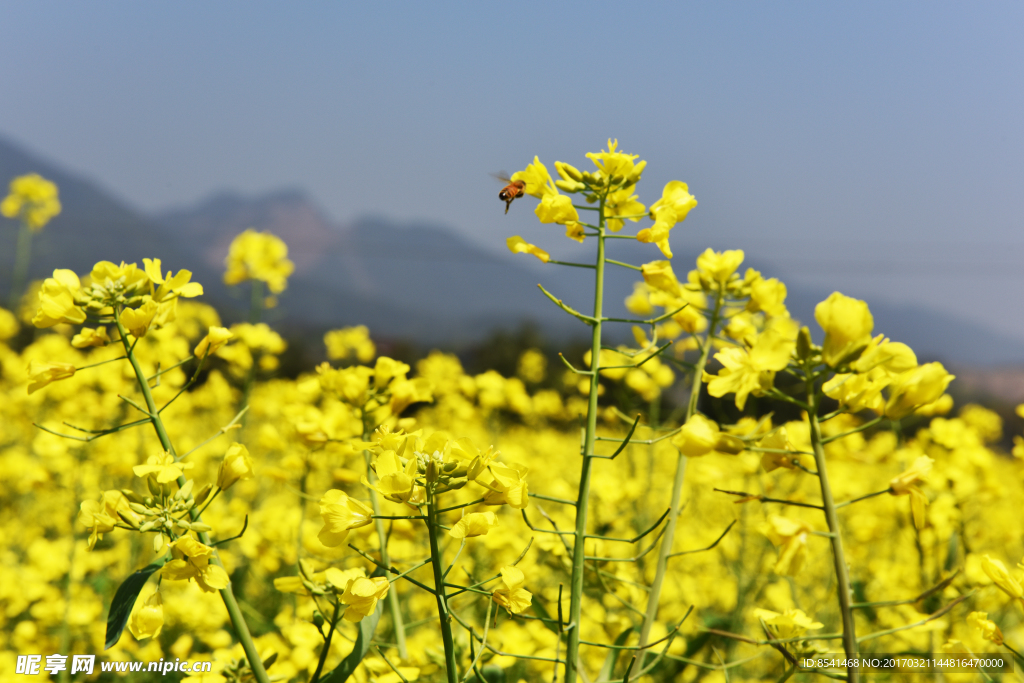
(514, 190)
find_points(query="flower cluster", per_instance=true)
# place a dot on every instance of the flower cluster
(32, 200)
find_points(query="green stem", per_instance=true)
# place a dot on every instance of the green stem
(842, 573)
(394, 606)
(665, 552)
(256, 302)
(327, 643)
(578, 551)
(234, 611)
(255, 313)
(22, 257)
(439, 591)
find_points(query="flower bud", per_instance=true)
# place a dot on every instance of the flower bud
(235, 466)
(131, 496)
(568, 171)
(138, 507)
(318, 618)
(128, 519)
(203, 494)
(185, 491)
(804, 345)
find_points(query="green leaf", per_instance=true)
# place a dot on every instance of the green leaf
(608, 668)
(124, 599)
(348, 665)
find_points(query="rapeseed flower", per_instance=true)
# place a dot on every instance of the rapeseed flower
(192, 561)
(258, 256)
(847, 323)
(341, 514)
(235, 466)
(33, 200)
(513, 597)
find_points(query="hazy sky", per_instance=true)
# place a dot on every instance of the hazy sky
(876, 148)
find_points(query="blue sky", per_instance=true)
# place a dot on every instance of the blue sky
(876, 148)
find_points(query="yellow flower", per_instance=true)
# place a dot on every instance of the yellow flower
(574, 231)
(508, 487)
(118, 284)
(674, 205)
(214, 339)
(57, 300)
(350, 341)
(622, 203)
(768, 296)
(697, 437)
(41, 374)
(719, 266)
(33, 199)
(103, 516)
(258, 256)
(137, 321)
(659, 275)
(235, 466)
(148, 620)
(989, 630)
(164, 467)
(738, 375)
(517, 245)
(351, 383)
(556, 208)
(513, 597)
(173, 284)
(790, 536)
(615, 163)
(396, 482)
(779, 441)
(639, 302)
(913, 388)
(847, 323)
(405, 392)
(792, 623)
(290, 584)
(192, 561)
(474, 524)
(361, 596)
(538, 180)
(996, 571)
(745, 372)
(906, 483)
(90, 337)
(892, 357)
(386, 370)
(341, 514)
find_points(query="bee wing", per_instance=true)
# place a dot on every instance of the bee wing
(502, 176)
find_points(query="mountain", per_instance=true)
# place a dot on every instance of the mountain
(417, 281)
(91, 227)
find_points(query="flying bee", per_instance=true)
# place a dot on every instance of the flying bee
(514, 190)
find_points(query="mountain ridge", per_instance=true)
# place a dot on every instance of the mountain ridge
(415, 280)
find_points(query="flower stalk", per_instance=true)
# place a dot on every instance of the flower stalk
(835, 534)
(583, 496)
(234, 611)
(665, 551)
(22, 257)
(436, 563)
